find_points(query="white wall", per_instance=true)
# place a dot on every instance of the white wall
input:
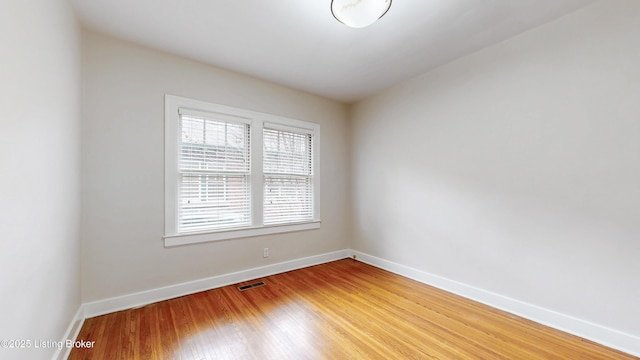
(515, 169)
(123, 169)
(40, 180)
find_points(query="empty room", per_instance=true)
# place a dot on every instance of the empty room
(327, 179)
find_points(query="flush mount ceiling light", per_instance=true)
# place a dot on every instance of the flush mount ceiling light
(359, 13)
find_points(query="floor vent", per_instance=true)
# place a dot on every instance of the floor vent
(251, 286)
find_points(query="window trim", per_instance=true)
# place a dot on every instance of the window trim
(257, 120)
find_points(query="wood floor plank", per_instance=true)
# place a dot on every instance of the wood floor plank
(340, 310)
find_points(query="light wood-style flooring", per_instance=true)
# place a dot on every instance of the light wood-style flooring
(339, 310)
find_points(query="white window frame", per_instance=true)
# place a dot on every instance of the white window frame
(257, 119)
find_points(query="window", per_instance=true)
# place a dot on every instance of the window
(214, 171)
(288, 186)
(233, 173)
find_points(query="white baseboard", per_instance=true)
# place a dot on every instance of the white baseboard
(71, 334)
(606, 336)
(101, 307)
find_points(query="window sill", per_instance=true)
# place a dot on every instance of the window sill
(194, 238)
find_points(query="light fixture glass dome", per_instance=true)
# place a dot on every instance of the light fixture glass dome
(359, 13)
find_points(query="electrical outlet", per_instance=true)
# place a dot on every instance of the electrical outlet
(265, 253)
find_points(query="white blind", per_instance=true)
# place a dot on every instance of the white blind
(287, 168)
(214, 168)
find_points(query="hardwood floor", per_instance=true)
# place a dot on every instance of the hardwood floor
(340, 310)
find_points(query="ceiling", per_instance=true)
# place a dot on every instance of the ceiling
(299, 44)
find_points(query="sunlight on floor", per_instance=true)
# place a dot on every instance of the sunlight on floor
(285, 332)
